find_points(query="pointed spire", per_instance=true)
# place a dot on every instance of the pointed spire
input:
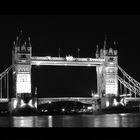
(115, 49)
(105, 43)
(104, 49)
(36, 91)
(14, 43)
(20, 37)
(29, 41)
(97, 51)
(17, 38)
(21, 32)
(25, 43)
(114, 43)
(110, 51)
(101, 53)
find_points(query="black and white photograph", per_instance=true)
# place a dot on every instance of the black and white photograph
(69, 70)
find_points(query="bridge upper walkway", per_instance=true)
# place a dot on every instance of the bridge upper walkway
(66, 61)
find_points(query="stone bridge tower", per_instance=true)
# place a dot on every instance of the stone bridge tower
(21, 60)
(107, 73)
(22, 66)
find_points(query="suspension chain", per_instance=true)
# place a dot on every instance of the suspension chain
(5, 74)
(6, 71)
(130, 87)
(137, 84)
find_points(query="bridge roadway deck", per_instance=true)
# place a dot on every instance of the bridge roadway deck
(87, 100)
(132, 99)
(47, 100)
(62, 61)
(79, 99)
(2, 100)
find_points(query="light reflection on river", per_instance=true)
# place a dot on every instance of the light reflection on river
(104, 120)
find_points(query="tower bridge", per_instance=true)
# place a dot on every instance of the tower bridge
(109, 84)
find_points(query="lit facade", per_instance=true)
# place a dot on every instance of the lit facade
(22, 66)
(23, 83)
(107, 72)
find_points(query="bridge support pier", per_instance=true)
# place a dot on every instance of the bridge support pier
(24, 105)
(107, 102)
(96, 106)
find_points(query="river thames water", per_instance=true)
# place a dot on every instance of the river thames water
(86, 120)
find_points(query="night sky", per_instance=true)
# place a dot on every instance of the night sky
(49, 32)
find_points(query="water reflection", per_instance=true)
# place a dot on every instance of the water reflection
(50, 122)
(5, 121)
(104, 120)
(32, 121)
(25, 121)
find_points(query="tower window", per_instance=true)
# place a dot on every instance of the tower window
(23, 56)
(111, 59)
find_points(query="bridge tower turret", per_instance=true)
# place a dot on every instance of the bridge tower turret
(107, 74)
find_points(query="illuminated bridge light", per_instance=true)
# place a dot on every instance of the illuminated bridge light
(38, 63)
(49, 102)
(14, 72)
(122, 101)
(48, 57)
(63, 109)
(69, 58)
(107, 103)
(22, 103)
(115, 103)
(30, 103)
(35, 104)
(15, 104)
